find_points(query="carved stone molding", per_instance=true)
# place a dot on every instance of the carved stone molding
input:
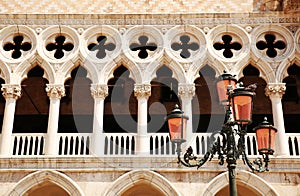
(11, 91)
(275, 90)
(142, 90)
(186, 90)
(55, 90)
(99, 90)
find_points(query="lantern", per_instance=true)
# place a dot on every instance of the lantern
(177, 125)
(222, 83)
(242, 105)
(265, 135)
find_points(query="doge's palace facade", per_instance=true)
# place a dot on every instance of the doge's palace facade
(142, 37)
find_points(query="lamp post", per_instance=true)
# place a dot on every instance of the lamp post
(238, 102)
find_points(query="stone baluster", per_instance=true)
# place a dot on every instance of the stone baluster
(99, 92)
(142, 93)
(55, 92)
(11, 93)
(275, 92)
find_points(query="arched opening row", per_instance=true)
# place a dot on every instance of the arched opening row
(120, 106)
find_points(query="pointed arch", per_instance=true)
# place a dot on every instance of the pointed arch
(23, 68)
(107, 72)
(130, 179)
(245, 178)
(68, 66)
(39, 177)
(215, 64)
(5, 72)
(284, 65)
(265, 69)
(177, 69)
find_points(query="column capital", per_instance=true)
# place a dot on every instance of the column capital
(186, 90)
(142, 90)
(11, 91)
(55, 90)
(99, 90)
(275, 90)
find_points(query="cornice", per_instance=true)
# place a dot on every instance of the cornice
(207, 19)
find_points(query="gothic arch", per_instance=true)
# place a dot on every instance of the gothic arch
(39, 177)
(265, 70)
(68, 66)
(131, 178)
(21, 71)
(177, 69)
(5, 72)
(107, 72)
(284, 65)
(251, 180)
(215, 64)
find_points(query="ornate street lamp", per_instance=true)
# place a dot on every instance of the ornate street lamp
(238, 103)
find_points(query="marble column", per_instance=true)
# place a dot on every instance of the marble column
(55, 92)
(186, 93)
(142, 93)
(99, 93)
(275, 92)
(11, 93)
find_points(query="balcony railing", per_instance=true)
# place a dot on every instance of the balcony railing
(125, 144)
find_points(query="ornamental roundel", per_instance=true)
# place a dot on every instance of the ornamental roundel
(18, 43)
(58, 44)
(185, 43)
(100, 44)
(228, 43)
(272, 43)
(143, 44)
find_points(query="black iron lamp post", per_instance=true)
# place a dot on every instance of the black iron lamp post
(238, 102)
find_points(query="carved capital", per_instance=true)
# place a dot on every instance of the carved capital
(186, 90)
(275, 90)
(55, 90)
(11, 91)
(142, 90)
(99, 90)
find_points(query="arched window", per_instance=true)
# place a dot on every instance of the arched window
(208, 115)
(32, 107)
(76, 109)
(290, 100)
(120, 109)
(261, 103)
(2, 104)
(164, 96)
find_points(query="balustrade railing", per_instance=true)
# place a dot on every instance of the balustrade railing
(74, 144)
(28, 144)
(119, 144)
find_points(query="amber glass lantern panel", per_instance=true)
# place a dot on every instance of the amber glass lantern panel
(242, 109)
(177, 129)
(222, 86)
(265, 139)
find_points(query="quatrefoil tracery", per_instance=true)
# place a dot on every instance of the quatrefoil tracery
(143, 46)
(271, 45)
(101, 46)
(59, 46)
(227, 45)
(16, 46)
(185, 46)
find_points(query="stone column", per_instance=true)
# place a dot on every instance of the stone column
(99, 92)
(55, 92)
(11, 93)
(186, 93)
(142, 93)
(275, 92)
